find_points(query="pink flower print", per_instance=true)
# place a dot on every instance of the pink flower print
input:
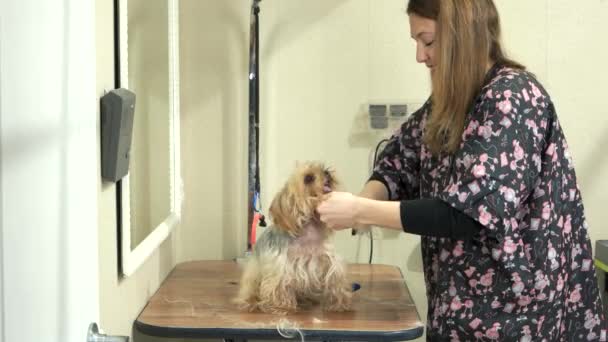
(513, 165)
(505, 122)
(474, 187)
(458, 250)
(560, 284)
(456, 304)
(496, 253)
(575, 295)
(503, 159)
(474, 324)
(526, 95)
(444, 308)
(550, 149)
(489, 93)
(586, 266)
(591, 320)
(467, 161)
(454, 336)
(509, 307)
(484, 216)
(509, 195)
(534, 223)
(546, 211)
(484, 131)
(468, 307)
(518, 285)
(537, 161)
(397, 163)
(551, 295)
(483, 158)
(473, 283)
(552, 255)
(531, 125)
(572, 193)
(495, 304)
(472, 126)
(527, 249)
(535, 90)
(478, 336)
(541, 281)
(444, 255)
(462, 197)
(505, 106)
(452, 288)
(509, 246)
(453, 189)
(486, 279)
(568, 225)
(527, 337)
(524, 301)
(518, 152)
(479, 171)
(508, 93)
(492, 333)
(469, 272)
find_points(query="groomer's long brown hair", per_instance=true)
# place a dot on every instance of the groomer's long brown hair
(468, 41)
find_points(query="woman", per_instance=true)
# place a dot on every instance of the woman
(482, 171)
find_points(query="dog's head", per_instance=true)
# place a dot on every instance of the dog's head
(296, 204)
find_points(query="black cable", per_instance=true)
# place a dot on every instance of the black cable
(371, 237)
(117, 85)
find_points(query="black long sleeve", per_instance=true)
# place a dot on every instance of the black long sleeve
(432, 217)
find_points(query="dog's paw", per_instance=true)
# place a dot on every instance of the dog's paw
(339, 302)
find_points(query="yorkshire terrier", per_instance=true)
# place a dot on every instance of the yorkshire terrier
(293, 264)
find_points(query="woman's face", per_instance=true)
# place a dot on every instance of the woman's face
(423, 32)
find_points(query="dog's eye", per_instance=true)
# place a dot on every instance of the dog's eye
(309, 178)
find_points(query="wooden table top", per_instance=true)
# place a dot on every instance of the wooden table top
(195, 301)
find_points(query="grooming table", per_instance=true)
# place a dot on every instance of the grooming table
(195, 302)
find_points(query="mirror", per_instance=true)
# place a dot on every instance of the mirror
(148, 67)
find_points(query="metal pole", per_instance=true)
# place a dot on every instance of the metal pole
(254, 118)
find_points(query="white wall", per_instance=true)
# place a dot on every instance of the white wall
(1, 205)
(121, 299)
(48, 170)
(214, 43)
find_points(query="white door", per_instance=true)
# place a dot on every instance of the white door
(48, 171)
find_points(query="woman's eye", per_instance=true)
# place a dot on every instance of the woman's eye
(429, 43)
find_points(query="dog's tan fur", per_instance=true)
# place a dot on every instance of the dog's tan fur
(294, 263)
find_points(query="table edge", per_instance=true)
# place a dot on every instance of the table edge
(273, 334)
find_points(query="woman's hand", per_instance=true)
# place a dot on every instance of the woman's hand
(339, 210)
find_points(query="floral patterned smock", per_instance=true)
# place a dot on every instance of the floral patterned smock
(528, 275)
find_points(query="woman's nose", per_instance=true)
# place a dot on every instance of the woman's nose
(421, 55)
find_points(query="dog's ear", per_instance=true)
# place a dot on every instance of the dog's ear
(284, 212)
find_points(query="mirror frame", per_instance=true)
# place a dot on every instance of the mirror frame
(133, 258)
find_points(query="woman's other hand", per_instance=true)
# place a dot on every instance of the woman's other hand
(339, 210)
